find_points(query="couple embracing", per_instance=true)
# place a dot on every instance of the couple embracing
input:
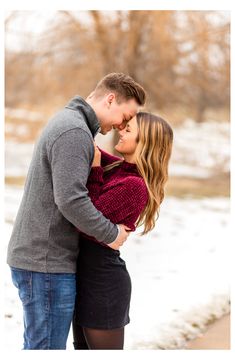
(79, 205)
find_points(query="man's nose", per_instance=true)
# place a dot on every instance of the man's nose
(121, 126)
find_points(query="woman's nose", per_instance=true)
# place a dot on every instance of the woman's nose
(120, 131)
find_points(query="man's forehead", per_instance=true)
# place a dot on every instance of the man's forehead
(131, 121)
(132, 112)
(131, 105)
(131, 109)
(130, 115)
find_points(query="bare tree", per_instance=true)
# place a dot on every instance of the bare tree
(181, 58)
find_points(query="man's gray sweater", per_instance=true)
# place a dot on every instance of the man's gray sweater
(55, 199)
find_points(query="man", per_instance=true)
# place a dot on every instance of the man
(44, 245)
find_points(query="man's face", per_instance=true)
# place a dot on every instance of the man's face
(114, 115)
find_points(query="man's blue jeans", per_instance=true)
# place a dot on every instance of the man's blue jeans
(48, 304)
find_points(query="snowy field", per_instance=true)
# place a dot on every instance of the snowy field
(180, 274)
(180, 271)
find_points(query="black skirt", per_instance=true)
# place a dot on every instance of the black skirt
(103, 287)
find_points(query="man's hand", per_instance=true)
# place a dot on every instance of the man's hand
(122, 237)
(97, 156)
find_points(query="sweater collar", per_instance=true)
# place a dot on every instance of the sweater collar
(129, 166)
(78, 103)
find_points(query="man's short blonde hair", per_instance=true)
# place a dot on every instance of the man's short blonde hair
(124, 87)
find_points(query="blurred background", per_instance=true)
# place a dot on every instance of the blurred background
(182, 59)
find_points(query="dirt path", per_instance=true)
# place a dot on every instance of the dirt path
(217, 336)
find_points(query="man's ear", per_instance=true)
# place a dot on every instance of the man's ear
(110, 98)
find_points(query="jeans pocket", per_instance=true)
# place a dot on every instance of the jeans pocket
(22, 279)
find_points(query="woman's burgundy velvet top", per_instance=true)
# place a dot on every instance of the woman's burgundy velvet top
(120, 193)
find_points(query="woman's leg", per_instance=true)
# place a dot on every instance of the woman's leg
(79, 340)
(104, 339)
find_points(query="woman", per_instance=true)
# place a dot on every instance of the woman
(130, 192)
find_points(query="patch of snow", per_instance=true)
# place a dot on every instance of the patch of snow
(199, 149)
(180, 274)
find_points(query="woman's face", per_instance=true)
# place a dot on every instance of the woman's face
(127, 143)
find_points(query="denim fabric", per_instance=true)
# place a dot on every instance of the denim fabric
(48, 304)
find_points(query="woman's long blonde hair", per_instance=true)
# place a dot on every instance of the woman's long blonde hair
(152, 157)
(154, 145)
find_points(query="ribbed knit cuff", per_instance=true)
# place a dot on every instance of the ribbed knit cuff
(119, 230)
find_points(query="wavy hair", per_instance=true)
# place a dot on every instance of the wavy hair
(152, 155)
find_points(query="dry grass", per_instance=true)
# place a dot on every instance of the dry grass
(177, 115)
(218, 185)
(15, 180)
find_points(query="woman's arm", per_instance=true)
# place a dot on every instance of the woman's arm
(107, 159)
(121, 202)
(95, 182)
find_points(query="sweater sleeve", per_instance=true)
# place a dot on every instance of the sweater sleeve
(122, 203)
(95, 182)
(71, 157)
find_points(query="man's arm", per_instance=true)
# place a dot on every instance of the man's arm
(71, 157)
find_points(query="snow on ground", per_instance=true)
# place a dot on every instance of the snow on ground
(180, 274)
(180, 271)
(17, 158)
(199, 149)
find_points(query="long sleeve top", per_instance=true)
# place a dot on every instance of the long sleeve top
(55, 200)
(120, 193)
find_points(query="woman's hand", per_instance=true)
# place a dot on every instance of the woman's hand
(97, 156)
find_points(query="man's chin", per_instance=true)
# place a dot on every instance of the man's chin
(105, 131)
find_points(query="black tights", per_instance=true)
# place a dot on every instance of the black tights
(96, 339)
